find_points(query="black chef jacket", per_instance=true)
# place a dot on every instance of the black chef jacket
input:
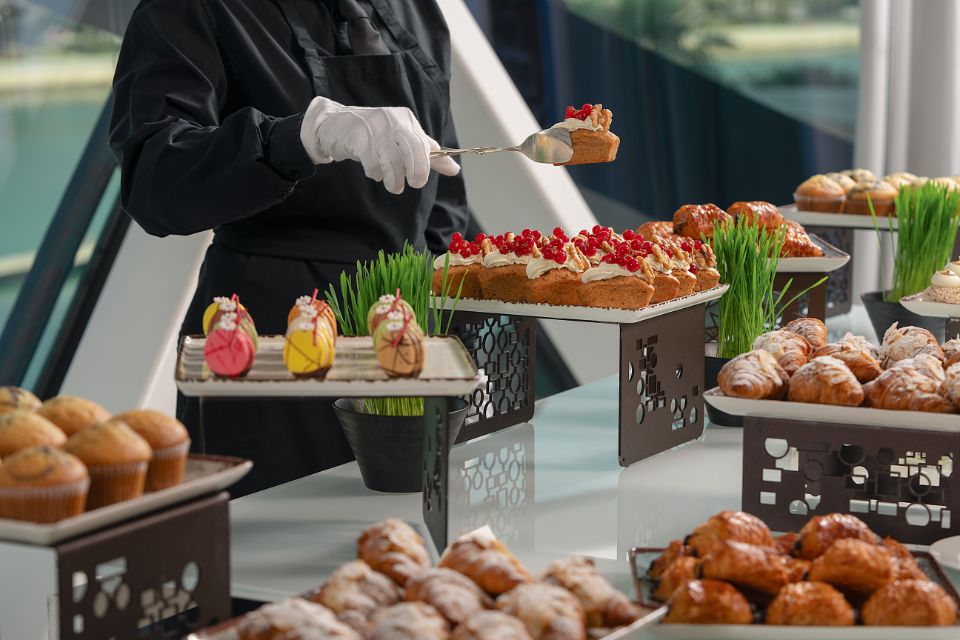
(209, 98)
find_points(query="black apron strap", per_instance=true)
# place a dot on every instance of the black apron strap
(318, 72)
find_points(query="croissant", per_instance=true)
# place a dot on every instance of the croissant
(603, 605)
(708, 602)
(455, 596)
(485, 560)
(755, 374)
(822, 531)
(928, 365)
(548, 612)
(408, 621)
(950, 387)
(905, 566)
(905, 388)
(864, 366)
(900, 343)
(491, 625)
(394, 548)
(676, 549)
(825, 380)
(810, 329)
(766, 215)
(678, 573)
(796, 242)
(729, 525)
(910, 603)
(810, 604)
(354, 591)
(951, 352)
(790, 349)
(853, 566)
(745, 566)
(290, 616)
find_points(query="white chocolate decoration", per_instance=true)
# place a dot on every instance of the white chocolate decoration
(497, 259)
(571, 124)
(607, 270)
(945, 279)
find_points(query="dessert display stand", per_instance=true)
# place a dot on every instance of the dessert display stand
(449, 370)
(157, 576)
(804, 273)
(897, 479)
(949, 312)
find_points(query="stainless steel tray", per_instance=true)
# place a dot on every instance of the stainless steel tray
(448, 370)
(204, 474)
(587, 314)
(640, 558)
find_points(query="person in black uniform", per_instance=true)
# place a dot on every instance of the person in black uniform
(299, 131)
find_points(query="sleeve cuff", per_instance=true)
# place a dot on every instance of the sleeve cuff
(284, 151)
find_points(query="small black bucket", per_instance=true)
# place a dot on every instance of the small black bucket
(389, 449)
(883, 314)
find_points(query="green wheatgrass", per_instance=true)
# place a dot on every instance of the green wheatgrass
(411, 272)
(747, 258)
(927, 219)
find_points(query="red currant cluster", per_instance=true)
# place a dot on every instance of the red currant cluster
(580, 114)
(554, 248)
(465, 248)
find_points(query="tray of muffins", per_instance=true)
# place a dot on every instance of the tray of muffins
(478, 591)
(397, 358)
(843, 198)
(69, 467)
(732, 578)
(909, 381)
(596, 275)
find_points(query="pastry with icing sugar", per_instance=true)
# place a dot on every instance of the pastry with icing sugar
(756, 375)
(480, 556)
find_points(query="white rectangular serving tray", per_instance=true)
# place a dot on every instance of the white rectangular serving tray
(949, 422)
(204, 474)
(831, 260)
(839, 220)
(587, 314)
(448, 370)
(921, 307)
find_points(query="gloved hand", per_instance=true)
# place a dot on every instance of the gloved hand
(387, 141)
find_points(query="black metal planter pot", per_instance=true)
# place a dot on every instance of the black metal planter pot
(389, 449)
(883, 314)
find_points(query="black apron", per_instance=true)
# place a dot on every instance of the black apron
(266, 259)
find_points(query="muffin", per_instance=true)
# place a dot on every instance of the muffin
(899, 179)
(845, 181)
(42, 484)
(947, 183)
(881, 194)
(23, 429)
(117, 459)
(820, 193)
(14, 398)
(169, 441)
(73, 414)
(859, 175)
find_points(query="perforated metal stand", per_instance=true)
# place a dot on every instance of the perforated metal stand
(160, 576)
(795, 469)
(661, 383)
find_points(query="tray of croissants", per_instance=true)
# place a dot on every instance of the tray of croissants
(909, 381)
(732, 578)
(477, 591)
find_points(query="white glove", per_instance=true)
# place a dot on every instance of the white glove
(388, 141)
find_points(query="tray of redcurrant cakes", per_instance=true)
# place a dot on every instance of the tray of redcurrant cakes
(597, 275)
(477, 591)
(310, 359)
(835, 579)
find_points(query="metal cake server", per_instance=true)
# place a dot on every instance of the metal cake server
(552, 146)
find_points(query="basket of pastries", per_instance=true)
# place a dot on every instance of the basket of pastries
(477, 591)
(834, 572)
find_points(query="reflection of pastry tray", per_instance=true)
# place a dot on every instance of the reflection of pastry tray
(587, 314)
(921, 307)
(831, 260)
(204, 474)
(448, 370)
(839, 220)
(640, 559)
(831, 413)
